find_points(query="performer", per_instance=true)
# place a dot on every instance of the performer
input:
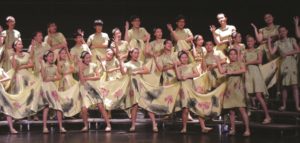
(36, 50)
(157, 45)
(121, 44)
(79, 46)
(262, 35)
(235, 93)
(297, 28)
(222, 35)
(237, 44)
(199, 52)
(185, 73)
(135, 67)
(98, 41)
(89, 75)
(181, 35)
(254, 79)
(10, 36)
(288, 49)
(4, 77)
(65, 67)
(51, 98)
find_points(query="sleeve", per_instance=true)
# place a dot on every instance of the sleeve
(145, 31)
(105, 36)
(89, 41)
(189, 32)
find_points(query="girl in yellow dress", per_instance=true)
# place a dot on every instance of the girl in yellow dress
(98, 41)
(112, 66)
(199, 52)
(210, 64)
(65, 67)
(36, 50)
(21, 63)
(288, 49)
(122, 45)
(4, 77)
(51, 99)
(79, 47)
(254, 78)
(134, 68)
(234, 96)
(222, 35)
(55, 39)
(10, 36)
(181, 35)
(237, 44)
(89, 75)
(262, 35)
(157, 45)
(186, 72)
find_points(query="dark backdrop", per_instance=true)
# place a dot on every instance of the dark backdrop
(33, 15)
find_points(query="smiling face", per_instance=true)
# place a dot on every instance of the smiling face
(117, 34)
(63, 54)
(232, 55)
(87, 59)
(52, 28)
(268, 18)
(158, 33)
(11, 24)
(50, 58)
(135, 54)
(168, 45)
(38, 37)
(18, 46)
(98, 28)
(184, 59)
(209, 46)
(136, 23)
(109, 54)
(78, 39)
(238, 38)
(222, 19)
(199, 41)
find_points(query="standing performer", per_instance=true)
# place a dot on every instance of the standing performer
(185, 73)
(199, 52)
(65, 67)
(254, 78)
(10, 36)
(222, 35)
(235, 93)
(288, 49)
(237, 44)
(4, 77)
(79, 46)
(55, 39)
(98, 41)
(89, 75)
(51, 98)
(121, 44)
(181, 35)
(157, 45)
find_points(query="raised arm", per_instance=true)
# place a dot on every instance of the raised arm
(172, 32)
(258, 35)
(297, 28)
(126, 36)
(271, 49)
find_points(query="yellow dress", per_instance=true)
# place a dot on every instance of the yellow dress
(39, 50)
(114, 63)
(224, 34)
(78, 49)
(185, 70)
(123, 47)
(50, 92)
(254, 79)
(199, 58)
(214, 74)
(288, 67)
(268, 32)
(235, 91)
(89, 91)
(23, 77)
(136, 40)
(240, 49)
(157, 46)
(97, 39)
(182, 35)
(67, 80)
(169, 76)
(10, 37)
(55, 39)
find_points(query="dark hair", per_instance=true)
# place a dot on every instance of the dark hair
(115, 30)
(130, 52)
(76, 34)
(180, 53)
(35, 33)
(179, 17)
(62, 49)
(98, 22)
(83, 54)
(165, 42)
(196, 37)
(209, 41)
(133, 17)
(156, 28)
(46, 55)
(50, 23)
(282, 26)
(111, 50)
(232, 49)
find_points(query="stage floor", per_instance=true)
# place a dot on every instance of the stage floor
(143, 134)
